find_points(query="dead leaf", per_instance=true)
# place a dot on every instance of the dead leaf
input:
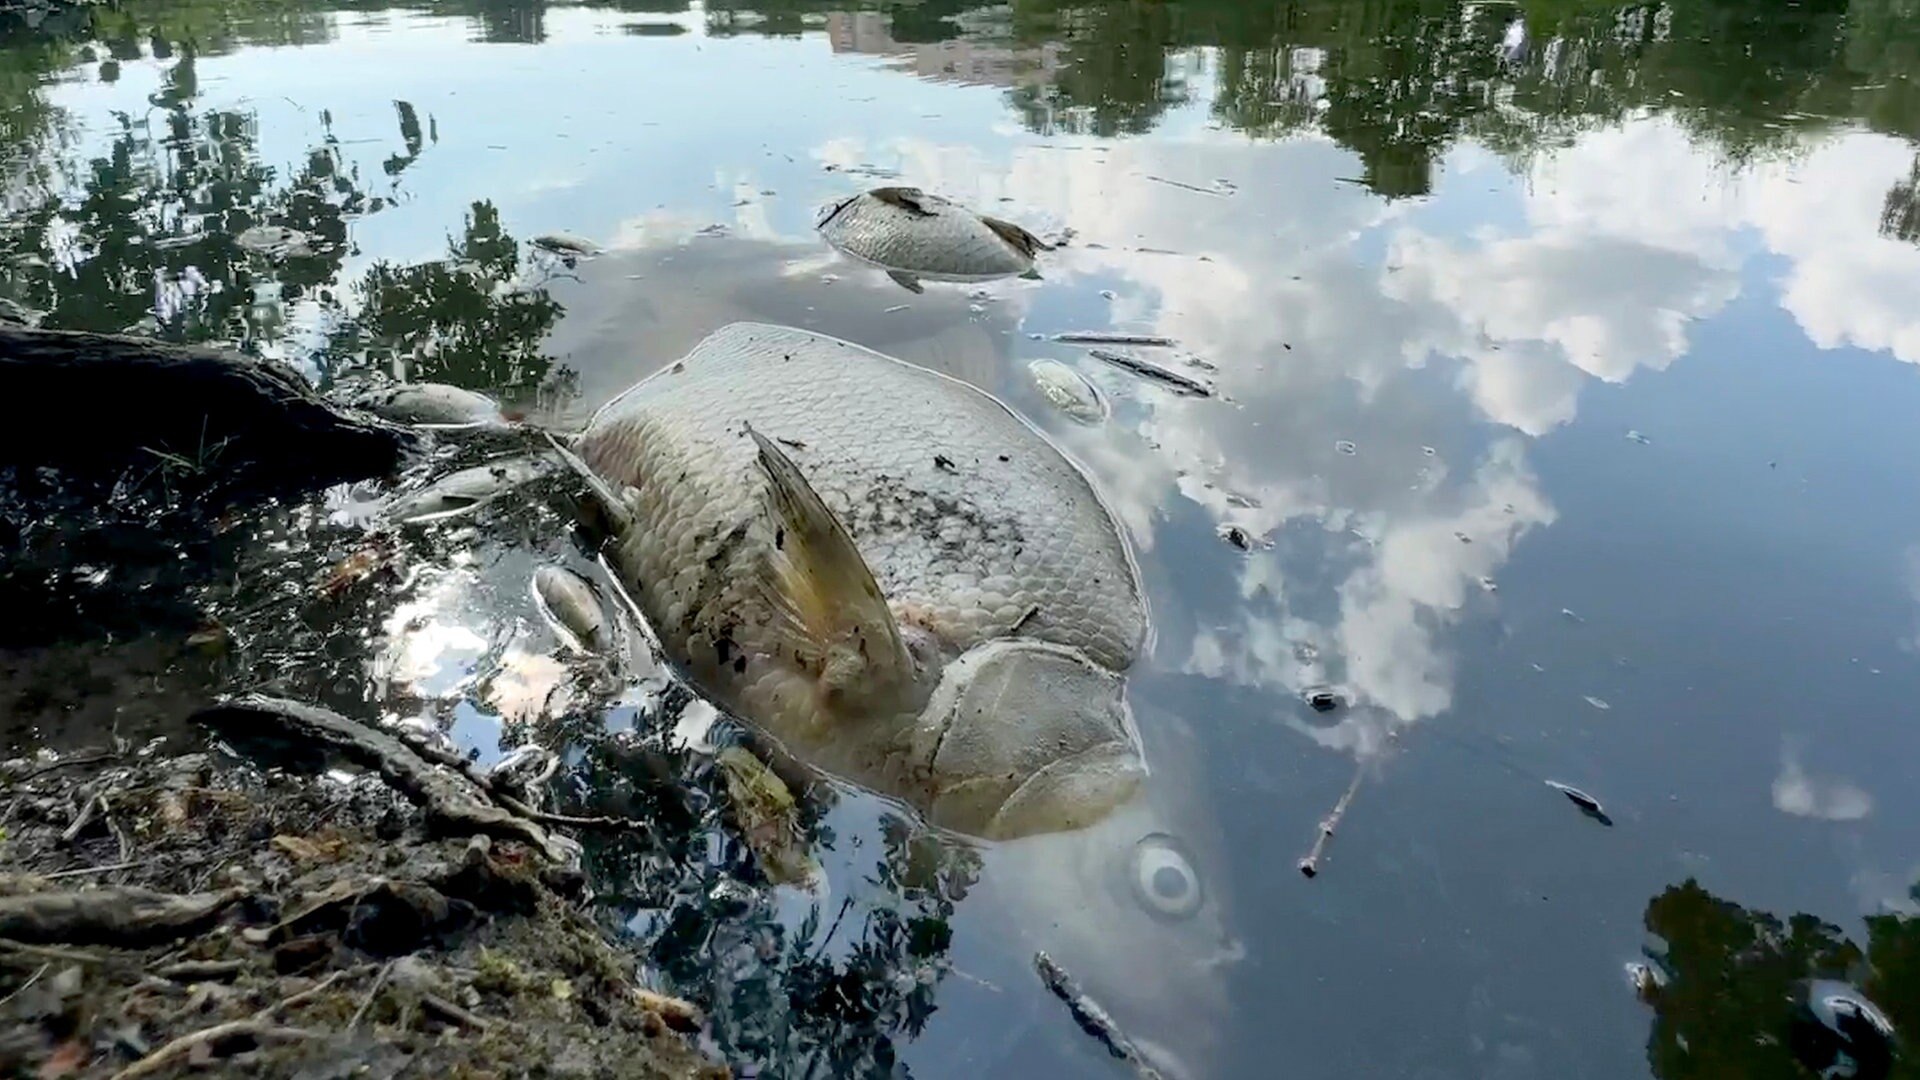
(562, 990)
(67, 1058)
(210, 636)
(325, 846)
(356, 568)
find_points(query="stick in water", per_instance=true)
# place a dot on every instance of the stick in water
(1102, 337)
(1310, 865)
(1092, 1018)
(1173, 379)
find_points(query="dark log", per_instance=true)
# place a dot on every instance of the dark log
(110, 401)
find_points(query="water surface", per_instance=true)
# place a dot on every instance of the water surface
(1566, 365)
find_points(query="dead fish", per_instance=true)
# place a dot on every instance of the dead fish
(847, 629)
(915, 235)
(572, 606)
(1068, 390)
(560, 243)
(430, 404)
(1174, 380)
(460, 492)
(1588, 805)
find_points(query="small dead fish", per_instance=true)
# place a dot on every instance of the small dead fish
(1588, 805)
(1101, 337)
(273, 240)
(1067, 390)
(560, 243)
(466, 490)
(432, 404)
(914, 234)
(1172, 379)
(572, 606)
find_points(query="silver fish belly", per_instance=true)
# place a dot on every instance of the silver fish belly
(1001, 568)
(911, 231)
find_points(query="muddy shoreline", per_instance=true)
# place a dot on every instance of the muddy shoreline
(173, 914)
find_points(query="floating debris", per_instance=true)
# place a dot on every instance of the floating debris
(1489, 584)
(1568, 613)
(1323, 699)
(767, 815)
(1598, 703)
(1429, 451)
(1101, 337)
(1092, 1018)
(1310, 865)
(1588, 805)
(1634, 436)
(1173, 379)
(1067, 390)
(1347, 447)
(1237, 536)
(1215, 192)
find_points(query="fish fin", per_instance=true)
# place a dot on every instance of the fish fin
(1020, 239)
(907, 281)
(835, 211)
(610, 502)
(912, 200)
(815, 578)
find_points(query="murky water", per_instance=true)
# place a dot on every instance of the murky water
(1565, 429)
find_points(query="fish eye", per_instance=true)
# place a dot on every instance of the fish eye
(1164, 880)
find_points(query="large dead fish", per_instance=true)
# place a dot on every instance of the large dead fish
(900, 580)
(914, 235)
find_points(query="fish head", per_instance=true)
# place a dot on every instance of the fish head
(1136, 907)
(1023, 737)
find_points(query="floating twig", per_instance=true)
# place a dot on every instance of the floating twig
(1102, 337)
(1173, 379)
(1092, 1018)
(1186, 186)
(1310, 866)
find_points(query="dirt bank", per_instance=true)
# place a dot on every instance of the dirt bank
(166, 914)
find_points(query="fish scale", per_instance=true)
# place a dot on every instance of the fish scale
(969, 519)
